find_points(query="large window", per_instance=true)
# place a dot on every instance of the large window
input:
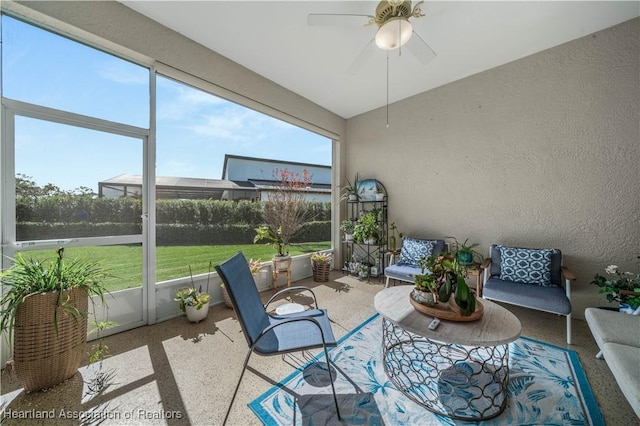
(77, 166)
(214, 161)
(58, 168)
(42, 68)
(76, 116)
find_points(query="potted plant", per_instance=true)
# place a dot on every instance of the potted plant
(350, 191)
(45, 309)
(449, 276)
(392, 238)
(367, 229)
(465, 252)
(195, 303)
(621, 287)
(321, 264)
(363, 270)
(426, 285)
(265, 233)
(347, 226)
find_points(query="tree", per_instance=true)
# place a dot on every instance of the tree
(284, 210)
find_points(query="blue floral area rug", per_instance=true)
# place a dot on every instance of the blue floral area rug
(547, 386)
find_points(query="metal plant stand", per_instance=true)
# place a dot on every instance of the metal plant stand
(465, 383)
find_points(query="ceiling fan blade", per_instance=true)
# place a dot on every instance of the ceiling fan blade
(420, 49)
(338, 20)
(362, 58)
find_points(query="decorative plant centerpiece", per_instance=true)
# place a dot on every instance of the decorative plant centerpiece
(465, 252)
(284, 210)
(621, 287)
(446, 278)
(367, 229)
(44, 312)
(347, 226)
(321, 264)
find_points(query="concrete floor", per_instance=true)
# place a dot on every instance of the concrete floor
(179, 373)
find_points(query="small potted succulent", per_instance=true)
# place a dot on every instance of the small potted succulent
(195, 303)
(427, 285)
(321, 264)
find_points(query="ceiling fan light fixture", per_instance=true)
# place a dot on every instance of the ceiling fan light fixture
(394, 33)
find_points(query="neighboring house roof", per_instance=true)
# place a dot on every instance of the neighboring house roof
(250, 169)
(271, 185)
(181, 187)
(239, 167)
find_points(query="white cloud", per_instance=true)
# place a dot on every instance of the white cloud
(123, 73)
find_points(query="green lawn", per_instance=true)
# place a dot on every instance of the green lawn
(125, 262)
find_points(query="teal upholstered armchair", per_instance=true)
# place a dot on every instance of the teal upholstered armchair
(531, 278)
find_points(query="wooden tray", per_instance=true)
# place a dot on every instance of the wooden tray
(445, 311)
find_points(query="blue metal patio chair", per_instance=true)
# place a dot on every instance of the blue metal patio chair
(273, 334)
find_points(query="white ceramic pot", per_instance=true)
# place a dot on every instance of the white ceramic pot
(197, 315)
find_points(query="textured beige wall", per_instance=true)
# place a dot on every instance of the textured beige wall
(540, 152)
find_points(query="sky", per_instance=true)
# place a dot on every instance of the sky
(194, 129)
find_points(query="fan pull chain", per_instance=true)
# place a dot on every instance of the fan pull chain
(387, 89)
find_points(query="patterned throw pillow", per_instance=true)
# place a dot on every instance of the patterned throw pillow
(413, 249)
(527, 266)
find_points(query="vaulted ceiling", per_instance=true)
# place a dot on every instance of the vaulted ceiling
(274, 39)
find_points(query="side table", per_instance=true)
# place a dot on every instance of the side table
(280, 266)
(475, 270)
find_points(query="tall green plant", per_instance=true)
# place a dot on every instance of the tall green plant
(30, 276)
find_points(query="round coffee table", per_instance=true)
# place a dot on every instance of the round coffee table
(460, 369)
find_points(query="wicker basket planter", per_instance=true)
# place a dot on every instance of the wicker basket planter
(43, 357)
(226, 298)
(321, 271)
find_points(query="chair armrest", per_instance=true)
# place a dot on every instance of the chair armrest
(287, 290)
(568, 277)
(484, 267)
(568, 274)
(286, 321)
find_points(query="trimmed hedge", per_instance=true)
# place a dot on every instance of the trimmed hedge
(179, 222)
(76, 209)
(27, 231)
(166, 234)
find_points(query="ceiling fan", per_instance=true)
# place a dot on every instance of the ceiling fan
(394, 30)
